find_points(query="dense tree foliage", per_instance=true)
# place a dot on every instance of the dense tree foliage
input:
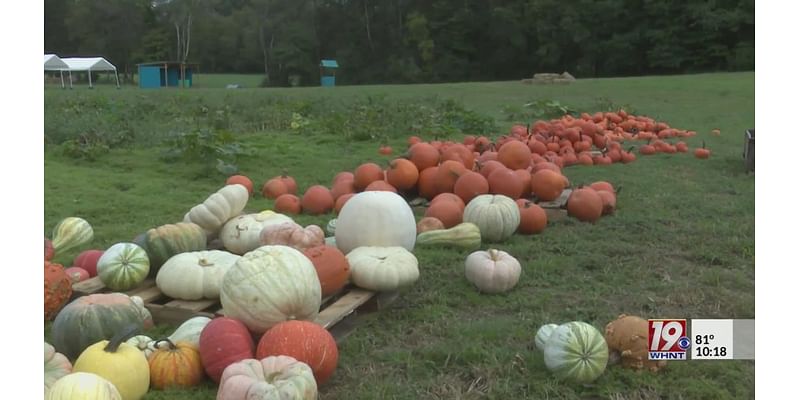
(402, 41)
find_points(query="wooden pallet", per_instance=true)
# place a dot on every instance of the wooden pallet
(338, 313)
(556, 209)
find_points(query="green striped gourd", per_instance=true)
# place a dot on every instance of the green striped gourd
(465, 235)
(576, 351)
(70, 233)
(123, 266)
(165, 241)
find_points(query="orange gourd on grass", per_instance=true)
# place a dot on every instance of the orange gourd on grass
(426, 184)
(366, 174)
(341, 187)
(429, 224)
(317, 200)
(175, 365)
(490, 166)
(380, 186)
(525, 177)
(504, 181)
(304, 341)
(288, 204)
(242, 180)
(585, 205)
(459, 152)
(470, 185)
(274, 188)
(423, 155)
(547, 185)
(402, 174)
(332, 267)
(57, 289)
(532, 217)
(515, 155)
(446, 211)
(449, 197)
(340, 202)
(447, 174)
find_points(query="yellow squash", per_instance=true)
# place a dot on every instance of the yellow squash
(120, 363)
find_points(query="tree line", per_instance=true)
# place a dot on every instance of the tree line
(407, 41)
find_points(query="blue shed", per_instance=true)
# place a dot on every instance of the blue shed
(165, 74)
(327, 72)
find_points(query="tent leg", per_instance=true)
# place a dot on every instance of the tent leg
(62, 79)
(116, 76)
(70, 79)
(90, 79)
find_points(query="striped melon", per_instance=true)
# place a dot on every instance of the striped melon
(123, 266)
(70, 233)
(576, 351)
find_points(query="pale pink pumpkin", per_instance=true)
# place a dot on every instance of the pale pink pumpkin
(254, 379)
(293, 235)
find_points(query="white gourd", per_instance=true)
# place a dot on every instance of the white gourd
(382, 268)
(195, 275)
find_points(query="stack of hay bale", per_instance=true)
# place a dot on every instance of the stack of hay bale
(564, 78)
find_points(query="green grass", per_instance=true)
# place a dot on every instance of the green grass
(681, 244)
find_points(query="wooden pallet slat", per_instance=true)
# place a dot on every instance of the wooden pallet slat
(343, 307)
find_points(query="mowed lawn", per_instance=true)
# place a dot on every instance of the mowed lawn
(681, 245)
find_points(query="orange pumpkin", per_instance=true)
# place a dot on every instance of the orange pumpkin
(423, 155)
(585, 205)
(515, 155)
(366, 174)
(343, 176)
(532, 217)
(343, 186)
(332, 267)
(242, 180)
(380, 186)
(304, 341)
(447, 174)
(470, 185)
(175, 365)
(459, 152)
(449, 197)
(288, 204)
(429, 224)
(402, 174)
(547, 185)
(486, 168)
(57, 289)
(525, 176)
(446, 211)
(602, 185)
(274, 188)
(702, 152)
(504, 181)
(291, 184)
(412, 140)
(337, 206)
(537, 147)
(609, 201)
(317, 200)
(426, 183)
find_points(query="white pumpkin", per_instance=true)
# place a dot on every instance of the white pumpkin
(56, 365)
(144, 343)
(83, 385)
(218, 208)
(576, 351)
(497, 216)
(190, 331)
(492, 271)
(194, 275)
(382, 268)
(375, 218)
(543, 334)
(271, 284)
(272, 378)
(241, 234)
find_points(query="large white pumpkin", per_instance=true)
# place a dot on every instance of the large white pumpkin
(576, 351)
(496, 215)
(375, 218)
(382, 268)
(271, 284)
(195, 275)
(218, 208)
(241, 234)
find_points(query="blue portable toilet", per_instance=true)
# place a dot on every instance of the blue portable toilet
(327, 72)
(165, 74)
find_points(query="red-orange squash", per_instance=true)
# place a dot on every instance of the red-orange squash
(446, 211)
(426, 184)
(304, 341)
(547, 185)
(448, 173)
(175, 365)
(449, 197)
(317, 200)
(57, 289)
(515, 155)
(504, 181)
(366, 174)
(242, 180)
(340, 202)
(274, 188)
(469, 185)
(402, 174)
(532, 217)
(459, 152)
(429, 224)
(288, 204)
(585, 204)
(87, 260)
(380, 186)
(332, 267)
(423, 155)
(341, 187)
(223, 342)
(49, 252)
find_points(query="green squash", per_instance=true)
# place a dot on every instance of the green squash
(89, 319)
(465, 235)
(123, 266)
(70, 233)
(576, 351)
(165, 241)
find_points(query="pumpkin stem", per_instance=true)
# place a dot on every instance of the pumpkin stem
(169, 342)
(123, 335)
(204, 263)
(493, 254)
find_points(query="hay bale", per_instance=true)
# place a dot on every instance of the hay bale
(566, 75)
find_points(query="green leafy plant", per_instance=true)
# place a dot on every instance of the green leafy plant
(215, 149)
(537, 109)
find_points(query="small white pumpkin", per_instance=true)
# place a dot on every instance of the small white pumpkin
(497, 216)
(56, 365)
(269, 285)
(576, 351)
(190, 331)
(382, 268)
(492, 271)
(271, 378)
(376, 218)
(84, 386)
(144, 343)
(241, 234)
(195, 275)
(218, 208)
(123, 266)
(543, 334)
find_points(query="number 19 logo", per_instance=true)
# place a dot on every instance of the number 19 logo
(668, 339)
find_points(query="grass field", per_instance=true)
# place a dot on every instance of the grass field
(682, 243)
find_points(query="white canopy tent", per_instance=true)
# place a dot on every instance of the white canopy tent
(53, 63)
(90, 65)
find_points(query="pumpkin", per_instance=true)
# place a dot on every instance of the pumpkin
(118, 362)
(585, 205)
(447, 174)
(365, 174)
(542, 334)
(428, 224)
(242, 234)
(71, 232)
(317, 200)
(83, 386)
(242, 180)
(459, 152)
(218, 208)
(343, 187)
(189, 331)
(76, 274)
(144, 343)
(402, 174)
(293, 235)
(465, 235)
(341, 201)
(274, 188)
(449, 213)
(288, 204)
(175, 365)
(165, 241)
(343, 176)
(489, 166)
(288, 181)
(423, 155)
(496, 216)
(525, 177)
(89, 319)
(627, 337)
(450, 198)
(504, 181)
(603, 185)
(56, 365)
(469, 185)
(375, 219)
(609, 201)
(49, 252)
(57, 289)
(515, 155)
(223, 342)
(576, 351)
(700, 153)
(195, 275)
(304, 341)
(383, 269)
(332, 267)
(532, 217)
(492, 271)
(426, 184)
(123, 266)
(273, 378)
(380, 186)
(87, 260)
(269, 285)
(547, 184)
